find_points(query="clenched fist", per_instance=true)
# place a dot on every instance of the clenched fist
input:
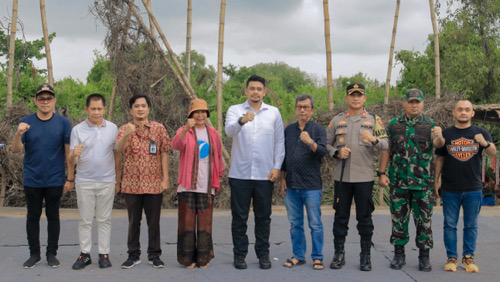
(480, 139)
(190, 123)
(304, 137)
(249, 116)
(366, 134)
(22, 128)
(130, 129)
(77, 151)
(437, 131)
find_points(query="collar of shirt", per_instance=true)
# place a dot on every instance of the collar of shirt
(148, 124)
(263, 106)
(363, 114)
(87, 121)
(414, 120)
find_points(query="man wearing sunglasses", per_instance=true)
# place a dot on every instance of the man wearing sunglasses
(45, 137)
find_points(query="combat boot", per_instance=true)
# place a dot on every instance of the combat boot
(399, 257)
(364, 256)
(424, 264)
(339, 257)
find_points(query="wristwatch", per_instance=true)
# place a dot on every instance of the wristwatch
(379, 173)
(312, 143)
(487, 146)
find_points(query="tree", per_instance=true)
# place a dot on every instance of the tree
(328, 55)
(437, 67)
(391, 53)
(11, 53)
(47, 43)
(219, 64)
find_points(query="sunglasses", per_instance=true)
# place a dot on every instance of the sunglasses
(45, 99)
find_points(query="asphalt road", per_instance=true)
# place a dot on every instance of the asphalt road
(14, 251)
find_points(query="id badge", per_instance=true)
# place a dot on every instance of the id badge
(152, 147)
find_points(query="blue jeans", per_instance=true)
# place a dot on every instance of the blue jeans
(471, 204)
(295, 200)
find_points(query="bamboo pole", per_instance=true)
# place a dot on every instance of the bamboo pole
(219, 65)
(188, 38)
(170, 51)
(12, 47)
(190, 94)
(151, 24)
(328, 55)
(437, 67)
(391, 54)
(47, 43)
(112, 101)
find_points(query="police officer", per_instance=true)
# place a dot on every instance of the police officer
(412, 138)
(351, 137)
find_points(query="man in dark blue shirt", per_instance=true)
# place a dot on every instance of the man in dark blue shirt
(45, 137)
(305, 146)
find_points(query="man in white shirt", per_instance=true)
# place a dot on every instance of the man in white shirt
(257, 154)
(93, 150)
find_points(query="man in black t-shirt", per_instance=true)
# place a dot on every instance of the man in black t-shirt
(458, 163)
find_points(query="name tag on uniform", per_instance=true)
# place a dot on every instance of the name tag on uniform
(153, 147)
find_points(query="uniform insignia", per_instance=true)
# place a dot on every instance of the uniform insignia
(342, 122)
(379, 130)
(367, 123)
(364, 114)
(341, 139)
(341, 131)
(330, 124)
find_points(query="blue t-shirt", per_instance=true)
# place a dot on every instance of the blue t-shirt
(44, 154)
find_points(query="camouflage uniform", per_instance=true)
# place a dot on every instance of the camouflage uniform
(411, 175)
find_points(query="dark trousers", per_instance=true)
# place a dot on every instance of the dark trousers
(242, 192)
(151, 203)
(362, 194)
(34, 204)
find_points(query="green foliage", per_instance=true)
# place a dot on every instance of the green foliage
(469, 43)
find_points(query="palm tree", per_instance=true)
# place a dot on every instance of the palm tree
(47, 43)
(11, 53)
(188, 38)
(328, 55)
(219, 65)
(391, 54)
(437, 67)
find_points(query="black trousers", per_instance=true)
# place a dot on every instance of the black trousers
(34, 203)
(242, 192)
(362, 194)
(151, 203)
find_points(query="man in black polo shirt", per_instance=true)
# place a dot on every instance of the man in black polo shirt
(305, 146)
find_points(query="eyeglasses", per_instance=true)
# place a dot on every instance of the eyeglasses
(302, 107)
(45, 99)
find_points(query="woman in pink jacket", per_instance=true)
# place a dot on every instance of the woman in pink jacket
(200, 170)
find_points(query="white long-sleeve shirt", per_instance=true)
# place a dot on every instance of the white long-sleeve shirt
(258, 145)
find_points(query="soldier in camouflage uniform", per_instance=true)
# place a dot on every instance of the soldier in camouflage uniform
(412, 138)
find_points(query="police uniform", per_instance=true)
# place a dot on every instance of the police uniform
(345, 130)
(354, 175)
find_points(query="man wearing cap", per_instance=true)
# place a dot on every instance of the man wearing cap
(352, 137)
(412, 138)
(98, 177)
(45, 137)
(256, 157)
(145, 145)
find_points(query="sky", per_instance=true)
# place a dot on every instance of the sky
(256, 31)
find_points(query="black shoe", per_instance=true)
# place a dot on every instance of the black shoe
(424, 264)
(399, 257)
(338, 260)
(82, 261)
(104, 261)
(264, 262)
(32, 261)
(239, 262)
(364, 262)
(131, 262)
(157, 262)
(53, 261)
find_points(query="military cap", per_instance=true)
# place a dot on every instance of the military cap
(355, 87)
(414, 94)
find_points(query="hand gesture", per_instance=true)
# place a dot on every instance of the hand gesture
(437, 131)
(130, 129)
(190, 123)
(480, 139)
(22, 128)
(273, 175)
(367, 135)
(383, 181)
(77, 151)
(249, 116)
(304, 137)
(344, 153)
(165, 185)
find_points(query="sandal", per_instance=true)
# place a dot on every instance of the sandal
(318, 264)
(204, 266)
(191, 266)
(289, 262)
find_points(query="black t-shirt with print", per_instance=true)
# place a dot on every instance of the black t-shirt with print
(462, 159)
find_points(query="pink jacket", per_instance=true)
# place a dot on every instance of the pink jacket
(187, 147)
